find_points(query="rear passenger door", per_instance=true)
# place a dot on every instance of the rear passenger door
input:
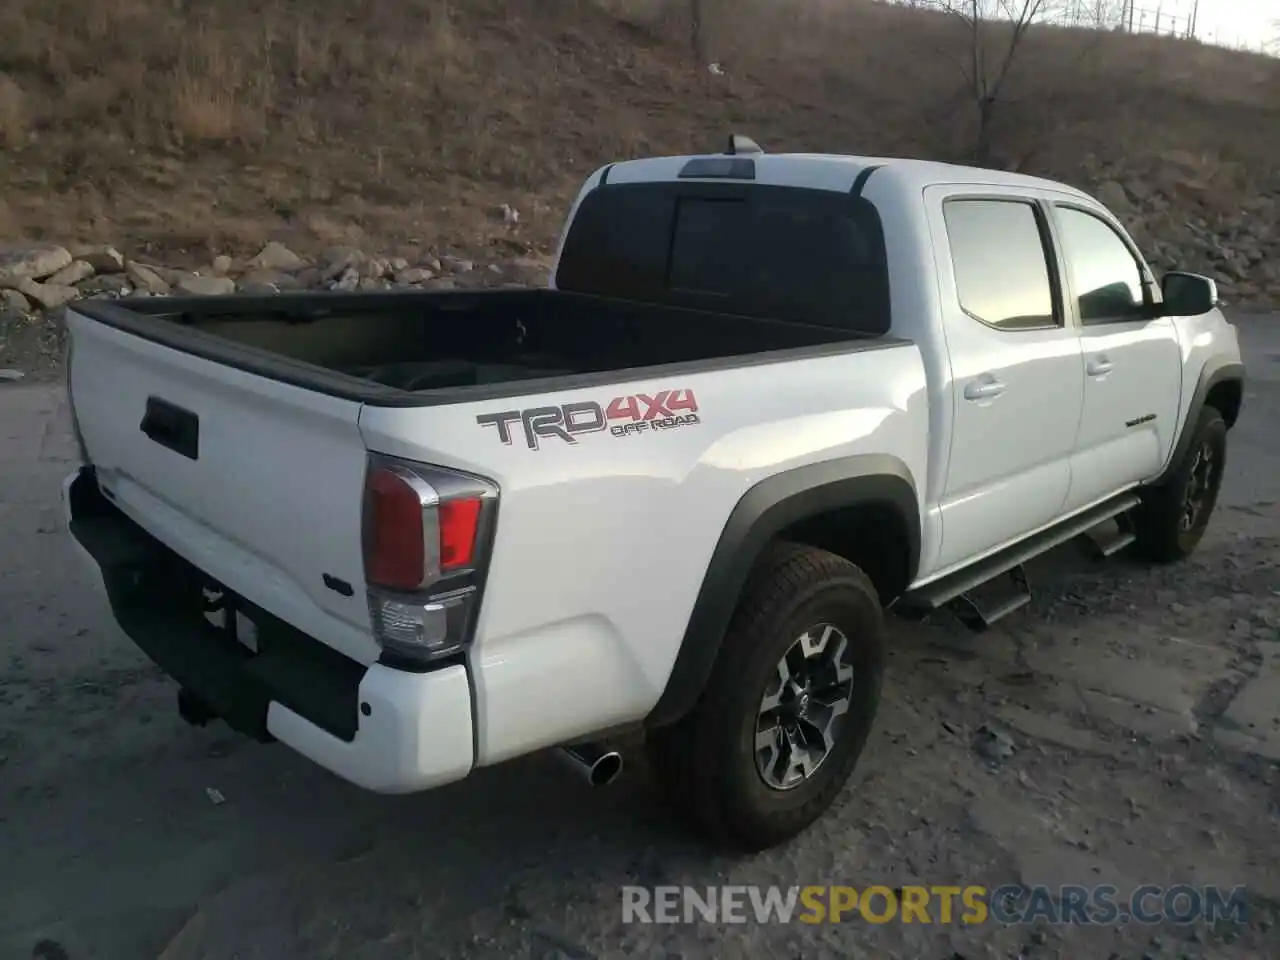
(1132, 360)
(1016, 369)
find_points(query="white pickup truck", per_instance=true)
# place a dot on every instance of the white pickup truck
(763, 398)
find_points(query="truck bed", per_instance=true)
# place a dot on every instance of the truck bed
(425, 347)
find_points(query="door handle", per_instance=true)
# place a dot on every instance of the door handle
(1099, 365)
(171, 426)
(984, 388)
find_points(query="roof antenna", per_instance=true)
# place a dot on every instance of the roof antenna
(740, 144)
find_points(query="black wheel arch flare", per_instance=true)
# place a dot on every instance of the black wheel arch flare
(768, 508)
(1215, 373)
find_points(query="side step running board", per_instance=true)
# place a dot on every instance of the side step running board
(960, 587)
(982, 606)
(1107, 541)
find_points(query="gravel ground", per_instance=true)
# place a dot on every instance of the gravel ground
(1124, 729)
(31, 346)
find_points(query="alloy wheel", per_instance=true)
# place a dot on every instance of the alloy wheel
(1199, 488)
(803, 706)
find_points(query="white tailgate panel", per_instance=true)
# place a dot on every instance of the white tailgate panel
(273, 502)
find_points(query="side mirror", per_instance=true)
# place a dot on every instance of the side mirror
(1187, 294)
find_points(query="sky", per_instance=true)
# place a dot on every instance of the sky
(1254, 24)
(1252, 21)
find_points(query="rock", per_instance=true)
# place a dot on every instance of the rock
(530, 264)
(311, 278)
(337, 260)
(102, 258)
(146, 279)
(276, 256)
(170, 275)
(476, 280)
(222, 264)
(31, 262)
(507, 214)
(11, 375)
(349, 280)
(374, 269)
(258, 288)
(1111, 194)
(1141, 190)
(398, 264)
(270, 278)
(47, 295)
(72, 273)
(411, 275)
(13, 303)
(341, 252)
(441, 283)
(992, 745)
(457, 264)
(371, 284)
(529, 270)
(113, 284)
(206, 286)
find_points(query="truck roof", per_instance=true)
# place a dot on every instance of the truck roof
(837, 172)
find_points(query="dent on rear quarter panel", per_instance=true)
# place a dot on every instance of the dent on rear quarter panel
(602, 543)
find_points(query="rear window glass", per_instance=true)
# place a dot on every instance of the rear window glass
(1001, 263)
(804, 256)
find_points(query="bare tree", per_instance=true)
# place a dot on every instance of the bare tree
(1091, 13)
(692, 16)
(986, 62)
(697, 39)
(1107, 14)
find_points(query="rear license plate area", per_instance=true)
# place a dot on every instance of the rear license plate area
(230, 614)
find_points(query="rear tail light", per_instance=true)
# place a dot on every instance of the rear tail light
(427, 534)
(459, 524)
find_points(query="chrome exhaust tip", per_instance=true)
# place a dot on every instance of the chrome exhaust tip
(593, 762)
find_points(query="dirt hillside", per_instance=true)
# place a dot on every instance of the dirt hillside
(188, 129)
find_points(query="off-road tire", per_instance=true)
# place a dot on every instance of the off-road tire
(707, 760)
(1157, 521)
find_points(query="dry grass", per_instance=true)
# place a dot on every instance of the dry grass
(13, 114)
(203, 125)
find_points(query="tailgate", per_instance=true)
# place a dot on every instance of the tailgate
(257, 483)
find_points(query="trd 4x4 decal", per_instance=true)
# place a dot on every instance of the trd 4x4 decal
(621, 416)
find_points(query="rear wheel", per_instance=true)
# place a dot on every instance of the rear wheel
(787, 710)
(1173, 516)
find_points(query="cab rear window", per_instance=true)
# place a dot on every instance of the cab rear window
(787, 253)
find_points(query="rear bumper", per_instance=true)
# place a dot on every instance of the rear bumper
(383, 729)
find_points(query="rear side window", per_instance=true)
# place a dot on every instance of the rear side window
(786, 253)
(1001, 266)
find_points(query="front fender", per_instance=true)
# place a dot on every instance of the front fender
(1215, 371)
